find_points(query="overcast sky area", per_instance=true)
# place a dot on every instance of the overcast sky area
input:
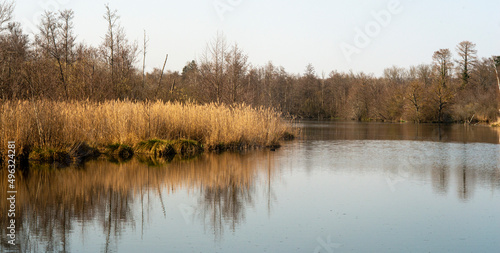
(358, 35)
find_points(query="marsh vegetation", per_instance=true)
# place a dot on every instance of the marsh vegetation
(54, 130)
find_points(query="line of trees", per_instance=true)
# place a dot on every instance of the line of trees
(54, 66)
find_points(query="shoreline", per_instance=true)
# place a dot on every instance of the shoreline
(153, 149)
(66, 131)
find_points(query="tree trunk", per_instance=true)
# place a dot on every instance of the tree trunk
(161, 74)
(498, 78)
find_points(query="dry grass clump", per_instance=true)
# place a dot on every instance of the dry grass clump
(64, 125)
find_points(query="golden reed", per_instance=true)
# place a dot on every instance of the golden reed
(61, 125)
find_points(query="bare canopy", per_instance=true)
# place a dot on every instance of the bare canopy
(6, 9)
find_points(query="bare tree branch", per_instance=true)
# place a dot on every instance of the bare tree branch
(6, 9)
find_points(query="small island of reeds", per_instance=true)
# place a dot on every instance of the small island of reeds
(48, 131)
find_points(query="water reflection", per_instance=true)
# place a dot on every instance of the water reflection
(51, 202)
(440, 178)
(107, 201)
(404, 131)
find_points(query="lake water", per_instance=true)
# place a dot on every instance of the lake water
(342, 187)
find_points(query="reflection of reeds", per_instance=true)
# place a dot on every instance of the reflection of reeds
(61, 125)
(50, 201)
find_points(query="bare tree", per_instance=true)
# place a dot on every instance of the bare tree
(111, 18)
(468, 58)
(49, 39)
(213, 68)
(269, 75)
(496, 65)
(162, 71)
(6, 9)
(424, 74)
(13, 54)
(119, 55)
(309, 92)
(144, 45)
(392, 103)
(442, 91)
(442, 65)
(237, 65)
(396, 75)
(67, 36)
(414, 95)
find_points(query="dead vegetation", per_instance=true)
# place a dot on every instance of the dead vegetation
(45, 130)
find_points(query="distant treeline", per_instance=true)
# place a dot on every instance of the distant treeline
(54, 66)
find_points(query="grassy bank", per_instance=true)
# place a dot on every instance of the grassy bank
(52, 128)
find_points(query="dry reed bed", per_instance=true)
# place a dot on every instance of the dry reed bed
(61, 125)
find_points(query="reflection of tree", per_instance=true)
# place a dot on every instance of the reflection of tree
(52, 203)
(227, 189)
(498, 133)
(466, 178)
(465, 183)
(118, 211)
(271, 197)
(227, 185)
(382, 131)
(225, 206)
(440, 178)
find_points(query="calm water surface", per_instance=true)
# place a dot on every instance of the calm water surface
(343, 187)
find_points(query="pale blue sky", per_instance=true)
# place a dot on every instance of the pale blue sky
(290, 33)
